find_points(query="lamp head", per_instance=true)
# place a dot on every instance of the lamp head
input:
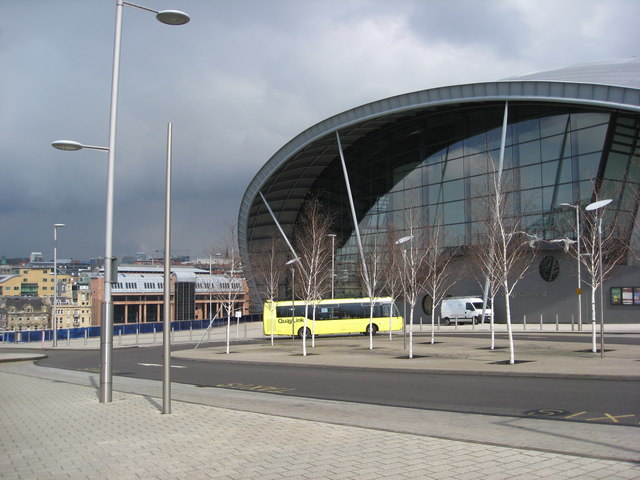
(58, 225)
(400, 241)
(598, 204)
(173, 17)
(68, 145)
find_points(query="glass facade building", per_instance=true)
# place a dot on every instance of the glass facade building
(570, 138)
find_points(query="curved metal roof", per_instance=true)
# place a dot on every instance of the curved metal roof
(621, 72)
(607, 84)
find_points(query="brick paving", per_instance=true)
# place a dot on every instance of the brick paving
(56, 430)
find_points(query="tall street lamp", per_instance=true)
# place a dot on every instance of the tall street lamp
(579, 288)
(169, 17)
(54, 319)
(595, 206)
(400, 241)
(291, 263)
(333, 262)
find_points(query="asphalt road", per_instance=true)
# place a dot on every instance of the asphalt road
(589, 400)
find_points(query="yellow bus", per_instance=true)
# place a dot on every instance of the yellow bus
(336, 316)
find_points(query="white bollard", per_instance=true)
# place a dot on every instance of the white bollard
(68, 337)
(572, 325)
(524, 322)
(557, 323)
(540, 321)
(120, 336)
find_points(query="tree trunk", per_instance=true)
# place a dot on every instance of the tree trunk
(593, 320)
(512, 354)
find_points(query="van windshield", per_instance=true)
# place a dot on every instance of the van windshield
(478, 305)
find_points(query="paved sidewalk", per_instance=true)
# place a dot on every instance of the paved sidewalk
(52, 426)
(54, 430)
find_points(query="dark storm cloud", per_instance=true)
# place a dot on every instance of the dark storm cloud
(238, 82)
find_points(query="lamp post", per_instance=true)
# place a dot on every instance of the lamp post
(400, 241)
(166, 320)
(579, 288)
(595, 206)
(54, 320)
(168, 17)
(333, 262)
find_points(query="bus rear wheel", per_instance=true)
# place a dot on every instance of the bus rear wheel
(301, 332)
(447, 321)
(374, 330)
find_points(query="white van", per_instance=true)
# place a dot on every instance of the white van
(464, 309)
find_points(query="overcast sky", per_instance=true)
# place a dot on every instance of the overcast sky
(239, 81)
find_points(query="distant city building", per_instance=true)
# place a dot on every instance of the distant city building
(28, 281)
(36, 257)
(138, 295)
(24, 313)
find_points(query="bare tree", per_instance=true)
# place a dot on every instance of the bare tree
(480, 268)
(414, 257)
(613, 249)
(509, 248)
(372, 277)
(314, 251)
(438, 275)
(233, 281)
(392, 283)
(268, 268)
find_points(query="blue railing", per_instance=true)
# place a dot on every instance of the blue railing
(26, 336)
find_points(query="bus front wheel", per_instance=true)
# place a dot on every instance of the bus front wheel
(301, 332)
(374, 330)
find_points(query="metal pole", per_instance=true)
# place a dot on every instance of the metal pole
(54, 320)
(365, 273)
(166, 329)
(579, 290)
(106, 332)
(333, 265)
(503, 142)
(601, 287)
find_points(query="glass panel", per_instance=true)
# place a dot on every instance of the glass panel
(586, 192)
(478, 164)
(564, 194)
(435, 193)
(475, 144)
(529, 153)
(549, 173)
(551, 147)
(453, 190)
(530, 177)
(454, 169)
(616, 166)
(508, 157)
(553, 125)
(531, 200)
(456, 150)
(494, 137)
(583, 120)
(453, 212)
(591, 139)
(588, 165)
(454, 234)
(527, 130)
(433, 173)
